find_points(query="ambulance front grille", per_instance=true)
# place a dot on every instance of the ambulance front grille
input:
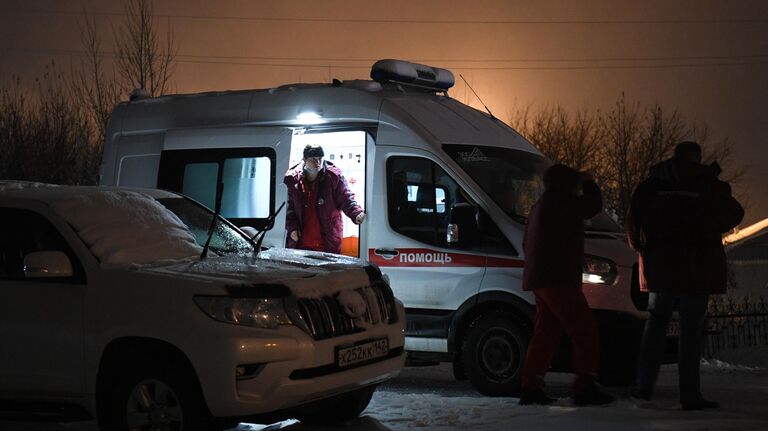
(324, 317)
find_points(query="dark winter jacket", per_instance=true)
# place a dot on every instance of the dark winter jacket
(333, 197)
(554, 237)
(676, 222)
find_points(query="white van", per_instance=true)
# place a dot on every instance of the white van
(447, 189)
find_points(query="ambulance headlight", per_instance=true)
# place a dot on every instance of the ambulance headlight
(597, 270)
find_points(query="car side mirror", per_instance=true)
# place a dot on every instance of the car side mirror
(47, 264)
(462, 225)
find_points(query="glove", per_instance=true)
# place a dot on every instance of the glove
(360, 218)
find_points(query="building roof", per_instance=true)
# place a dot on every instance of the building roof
(751, 232)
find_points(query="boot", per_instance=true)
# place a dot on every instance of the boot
(587, 393)
(534, 397)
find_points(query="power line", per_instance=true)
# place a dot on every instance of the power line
(221, 59)
(542, 68)
(492, 60)
(750, 21)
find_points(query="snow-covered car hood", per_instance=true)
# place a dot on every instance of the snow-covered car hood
(306, 274)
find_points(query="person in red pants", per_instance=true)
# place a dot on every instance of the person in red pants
(554, 252)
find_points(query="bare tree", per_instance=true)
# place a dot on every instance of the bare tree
(619, 146)
(44, 135)
(144, 61)
(141, 61)
(93, 83)
(635, 140)
(721, 151)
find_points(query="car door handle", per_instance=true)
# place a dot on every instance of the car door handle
(386, 252)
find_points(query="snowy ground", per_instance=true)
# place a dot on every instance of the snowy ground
(429, 399)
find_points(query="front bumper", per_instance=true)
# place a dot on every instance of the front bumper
(287, 367)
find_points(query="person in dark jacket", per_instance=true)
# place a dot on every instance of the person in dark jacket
(317, 195)
(676, 221)
(554, 253)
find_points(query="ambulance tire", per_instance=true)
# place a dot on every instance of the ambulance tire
(493, 352)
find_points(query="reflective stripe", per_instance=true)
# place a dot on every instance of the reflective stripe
(424, 257)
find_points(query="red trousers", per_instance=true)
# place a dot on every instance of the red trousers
(558, 310)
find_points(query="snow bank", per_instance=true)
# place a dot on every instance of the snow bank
(124, 228)
(718, 365)
(21, 185)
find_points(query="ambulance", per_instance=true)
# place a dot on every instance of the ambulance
(447, 189)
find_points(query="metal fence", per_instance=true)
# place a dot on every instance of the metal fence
(732, 324)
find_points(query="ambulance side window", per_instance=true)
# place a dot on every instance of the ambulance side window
(420, 195)
(248, 176)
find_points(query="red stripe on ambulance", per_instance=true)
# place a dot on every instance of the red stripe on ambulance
(423, 257)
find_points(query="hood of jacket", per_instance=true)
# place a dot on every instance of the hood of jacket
(675, 170)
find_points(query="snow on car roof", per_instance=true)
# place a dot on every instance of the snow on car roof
(6, 186)
(122, 227)
(49, 193)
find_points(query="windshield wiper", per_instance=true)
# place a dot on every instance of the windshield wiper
(263, 231)
(216, 212)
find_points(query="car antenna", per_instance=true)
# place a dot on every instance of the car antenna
(217, 210)
(268, 226)
(478, 97)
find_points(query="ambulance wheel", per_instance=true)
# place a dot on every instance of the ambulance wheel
(493, 352)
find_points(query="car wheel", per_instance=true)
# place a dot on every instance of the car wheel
(337, 409)
(492, 354)
(154, 396)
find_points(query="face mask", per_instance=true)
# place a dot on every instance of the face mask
(310, 170)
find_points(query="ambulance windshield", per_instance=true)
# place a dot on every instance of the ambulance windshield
(512, 178)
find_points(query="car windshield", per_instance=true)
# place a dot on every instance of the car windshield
(512, 178)
(226, 238)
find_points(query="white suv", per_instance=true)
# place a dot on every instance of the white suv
(106, 303)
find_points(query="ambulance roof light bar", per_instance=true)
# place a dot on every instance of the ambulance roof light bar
(405, 72)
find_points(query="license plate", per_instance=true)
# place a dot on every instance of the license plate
(673, 330)
(346, 356)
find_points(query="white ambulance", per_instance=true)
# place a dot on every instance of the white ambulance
(447, 189)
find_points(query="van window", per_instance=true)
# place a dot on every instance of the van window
(200, 182)
(421, 196)
(247, 174)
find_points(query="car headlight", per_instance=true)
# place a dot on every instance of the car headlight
(259, 312)
(597, 270)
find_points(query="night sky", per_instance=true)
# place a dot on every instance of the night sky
(707, 59)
